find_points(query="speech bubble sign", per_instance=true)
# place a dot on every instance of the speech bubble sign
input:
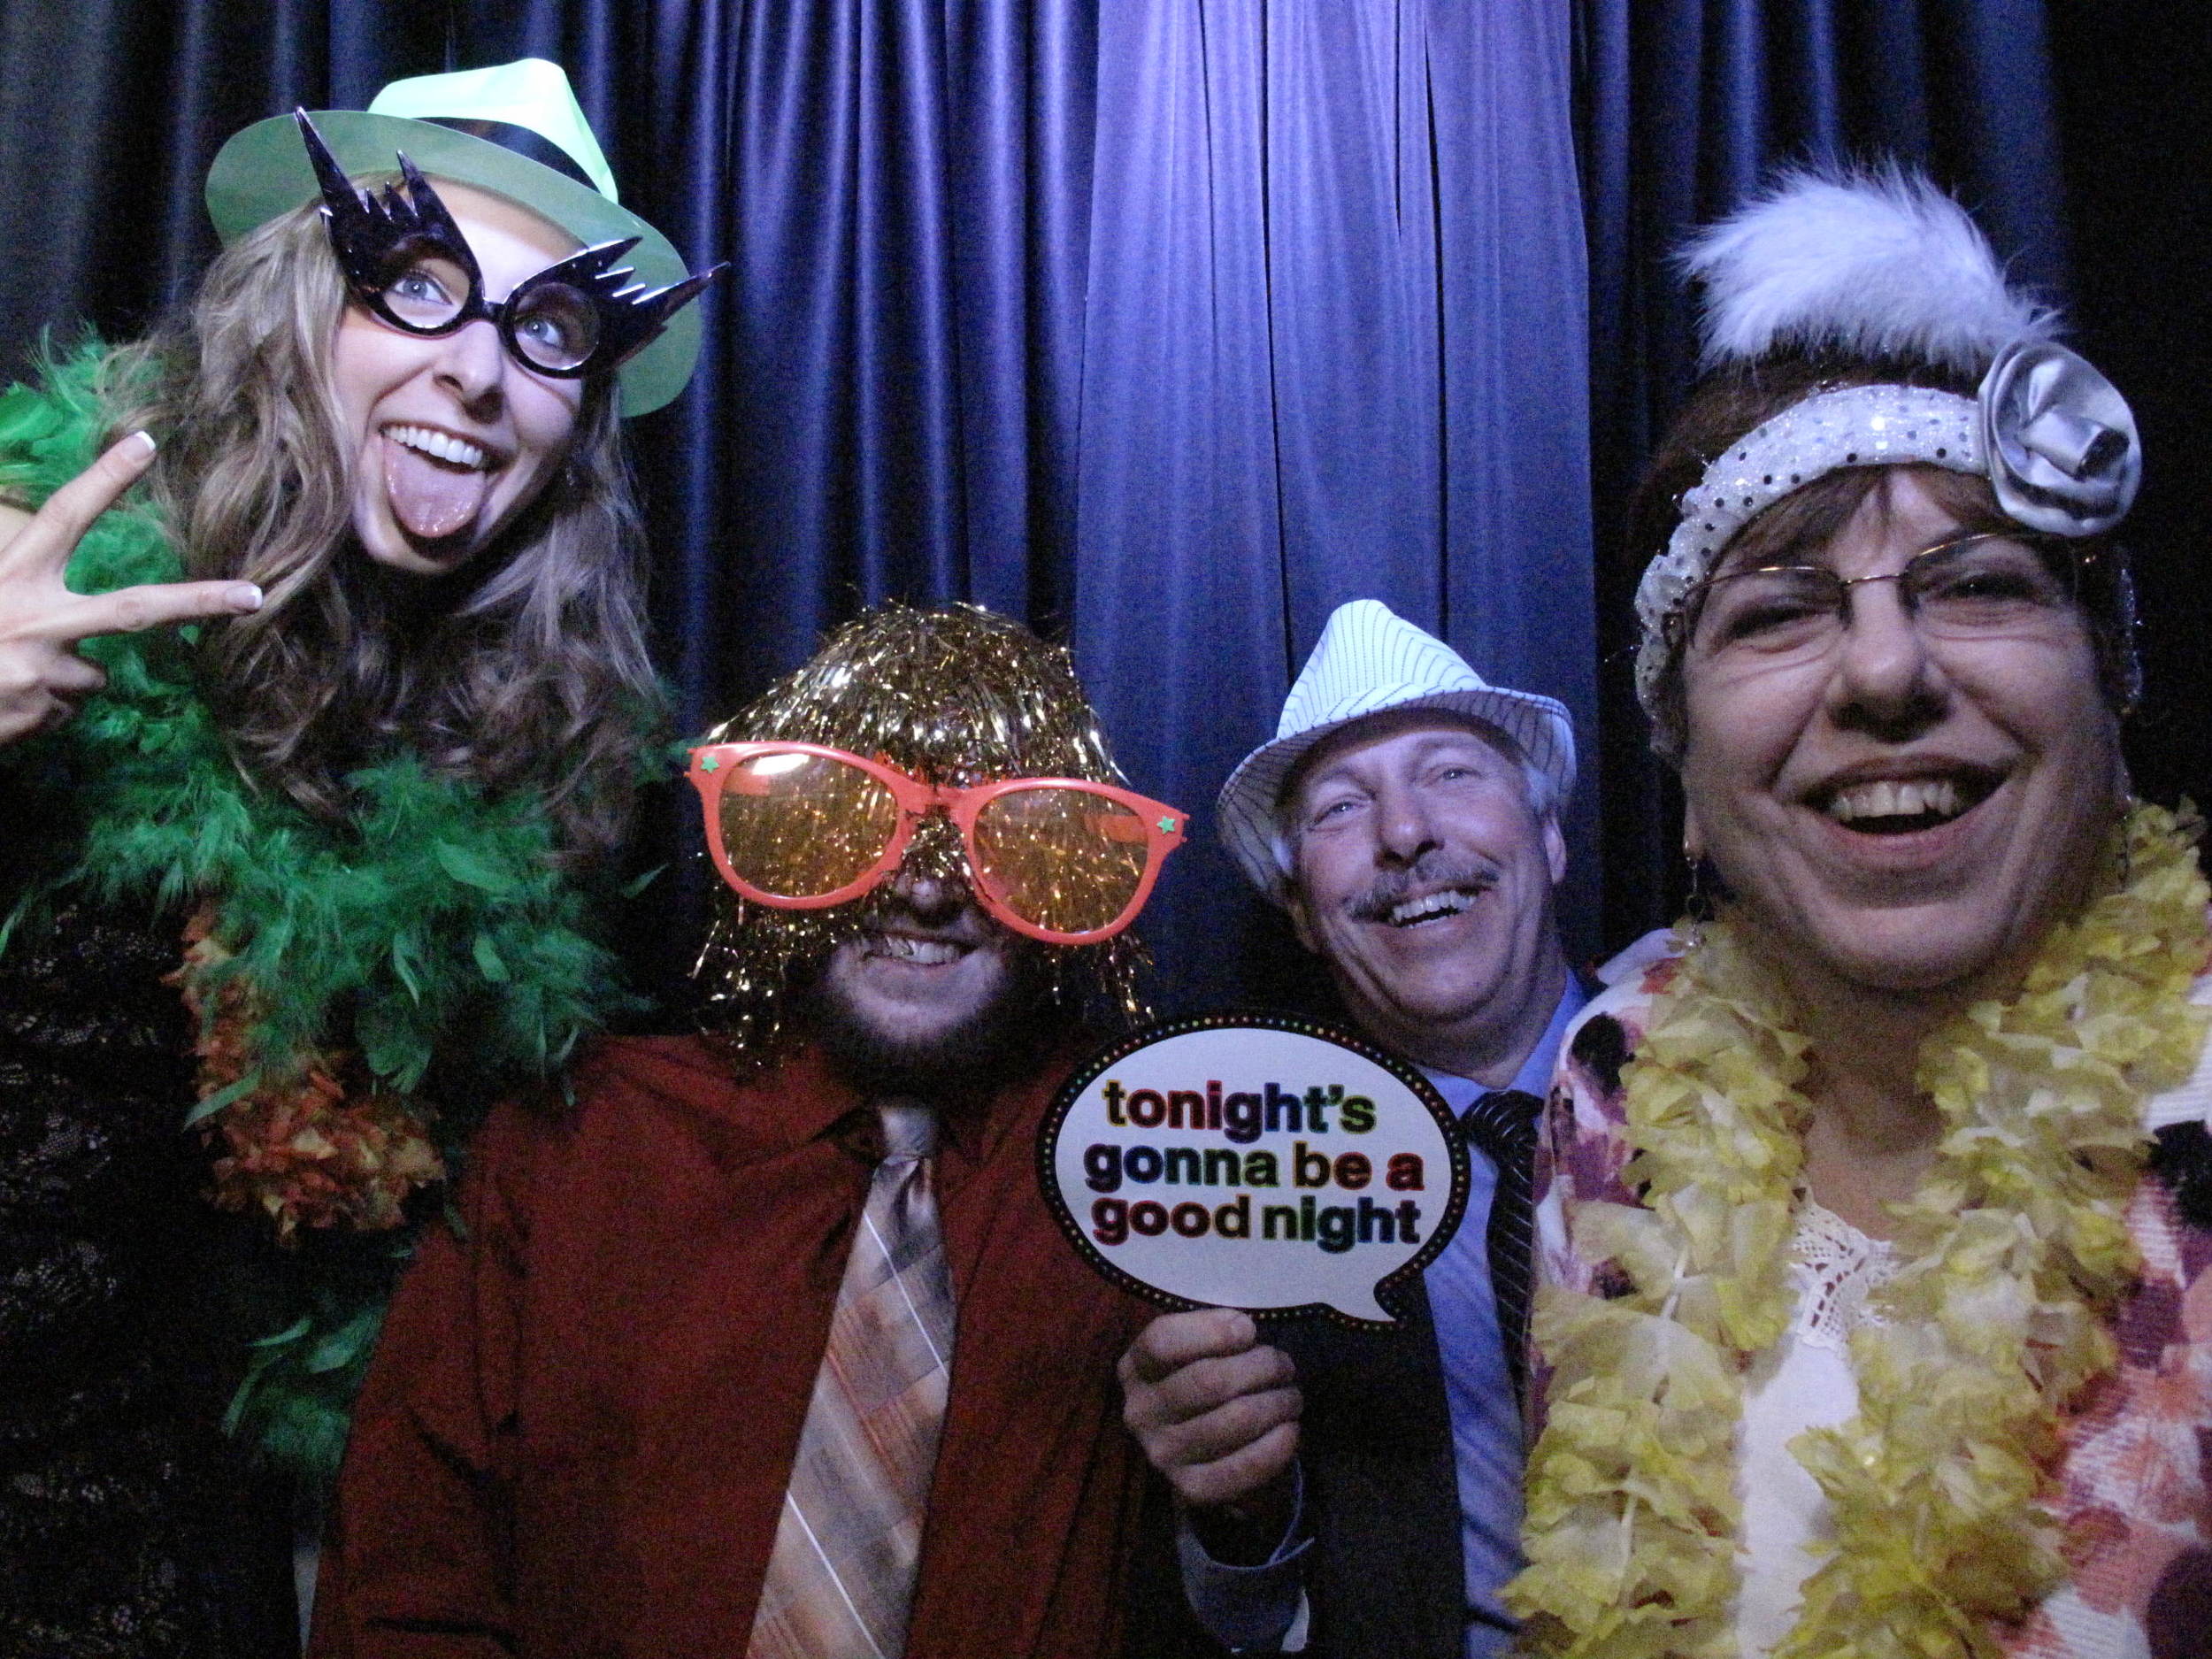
(1254, 1161)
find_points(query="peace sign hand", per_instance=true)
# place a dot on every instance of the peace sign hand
(42, 622)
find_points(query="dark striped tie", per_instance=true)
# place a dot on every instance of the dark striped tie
(1501, 1125)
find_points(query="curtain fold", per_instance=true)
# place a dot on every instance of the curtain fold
(1333, 350)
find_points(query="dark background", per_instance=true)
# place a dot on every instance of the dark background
(1170, 325)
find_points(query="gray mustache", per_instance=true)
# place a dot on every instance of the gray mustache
(1392, 888)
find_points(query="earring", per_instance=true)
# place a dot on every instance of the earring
(1697, 909)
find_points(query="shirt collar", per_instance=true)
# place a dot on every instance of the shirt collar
(1534, 1077)
(815, 1101)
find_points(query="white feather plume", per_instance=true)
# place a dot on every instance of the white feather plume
(1874, 264)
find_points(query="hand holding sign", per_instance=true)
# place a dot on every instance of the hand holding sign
(1255, 1163)
(42, 622)
(1216, 1412)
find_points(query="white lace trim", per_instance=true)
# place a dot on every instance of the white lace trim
(1836, 1269)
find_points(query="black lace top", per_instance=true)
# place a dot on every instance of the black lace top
(128, 1525)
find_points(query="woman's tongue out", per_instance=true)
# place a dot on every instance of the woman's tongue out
(431, 498)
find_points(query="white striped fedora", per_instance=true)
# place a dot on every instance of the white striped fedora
(1368, 660)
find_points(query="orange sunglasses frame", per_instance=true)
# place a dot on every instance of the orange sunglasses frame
(713, 764)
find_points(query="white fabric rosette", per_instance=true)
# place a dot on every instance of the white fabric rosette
(2060, 441)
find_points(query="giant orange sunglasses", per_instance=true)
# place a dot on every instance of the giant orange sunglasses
(801, 827)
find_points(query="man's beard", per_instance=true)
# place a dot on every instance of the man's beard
(998, 1040)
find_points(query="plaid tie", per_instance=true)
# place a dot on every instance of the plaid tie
(1502, 1125)
(841, 1580)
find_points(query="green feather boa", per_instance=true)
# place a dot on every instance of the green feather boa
(430, 924)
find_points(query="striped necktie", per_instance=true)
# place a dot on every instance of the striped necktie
(1502, 1124)
(841, 1579)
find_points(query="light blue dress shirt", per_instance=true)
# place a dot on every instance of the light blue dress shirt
(1252, 1608)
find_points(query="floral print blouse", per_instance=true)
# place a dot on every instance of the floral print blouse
(2133, 1489)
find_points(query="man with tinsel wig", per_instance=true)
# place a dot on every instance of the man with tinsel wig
(767, 1344)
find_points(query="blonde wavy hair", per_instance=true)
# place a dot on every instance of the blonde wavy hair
(528, 669)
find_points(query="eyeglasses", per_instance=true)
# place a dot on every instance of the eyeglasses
(1992, 584)
(800, 826)
(406, 261)
(550, 323)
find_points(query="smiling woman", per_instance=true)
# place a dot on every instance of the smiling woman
(1909, 797)
(1864, 1217)
(340, 846)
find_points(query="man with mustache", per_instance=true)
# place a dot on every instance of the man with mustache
(768, 1346)
(1407, 816)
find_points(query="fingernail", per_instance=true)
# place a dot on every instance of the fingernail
(137, 447)
(246, 596)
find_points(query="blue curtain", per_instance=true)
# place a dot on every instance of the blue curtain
(1333, 349)
(1683, 107)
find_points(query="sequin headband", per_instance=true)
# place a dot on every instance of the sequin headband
(2054, 438)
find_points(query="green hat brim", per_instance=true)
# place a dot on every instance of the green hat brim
(264, 171)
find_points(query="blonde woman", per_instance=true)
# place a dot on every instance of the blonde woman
(314, 873)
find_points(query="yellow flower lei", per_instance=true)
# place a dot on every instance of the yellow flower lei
(2015, 1252)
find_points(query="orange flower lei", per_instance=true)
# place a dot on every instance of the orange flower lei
(322, 1146)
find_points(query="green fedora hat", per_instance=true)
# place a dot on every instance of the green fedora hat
(516, 130)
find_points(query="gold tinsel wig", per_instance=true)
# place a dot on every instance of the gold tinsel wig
(956, 695)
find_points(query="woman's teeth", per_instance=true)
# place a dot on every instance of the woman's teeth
(905, 948)
(441, 446)
(1936, 798)
(1450, 902)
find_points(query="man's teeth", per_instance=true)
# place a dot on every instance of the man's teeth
(1450, 902)
(443, 445)
(906, 948)
(1936, 797)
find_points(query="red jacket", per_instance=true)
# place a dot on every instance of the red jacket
(576, 1433)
